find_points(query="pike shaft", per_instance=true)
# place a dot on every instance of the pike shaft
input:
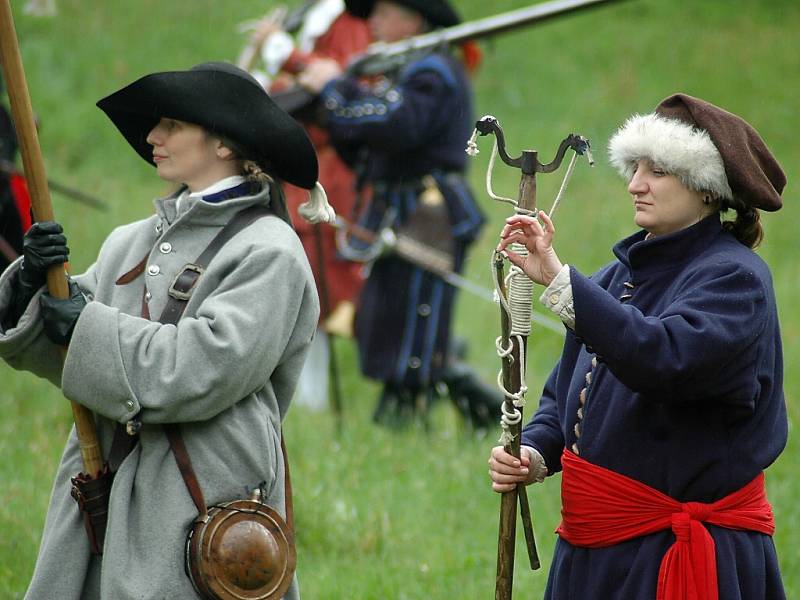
(41, 205)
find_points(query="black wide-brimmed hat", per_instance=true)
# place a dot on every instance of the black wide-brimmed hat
(224, 100)
(438, 13)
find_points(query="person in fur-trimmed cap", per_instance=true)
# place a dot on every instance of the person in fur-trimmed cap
(667, 404)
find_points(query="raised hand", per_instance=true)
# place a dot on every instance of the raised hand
(542, 263)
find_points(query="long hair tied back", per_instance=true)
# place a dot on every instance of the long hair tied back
(746, 227)
(253, 172)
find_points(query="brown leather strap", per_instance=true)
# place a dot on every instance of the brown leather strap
(184, 283)
(185, 466)
(121, 445)
(179, 294)
(126, 278)
(289, 504)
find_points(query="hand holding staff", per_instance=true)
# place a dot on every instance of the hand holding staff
(41, 205)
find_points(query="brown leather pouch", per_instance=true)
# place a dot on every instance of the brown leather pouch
(238, 550)
(244, 550)
(429, 226)
(92, 495)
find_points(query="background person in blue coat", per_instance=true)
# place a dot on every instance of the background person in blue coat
(671, 375)
(405, 135)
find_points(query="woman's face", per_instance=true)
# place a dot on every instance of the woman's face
(390, 22)
(186, 153)
(662, 202)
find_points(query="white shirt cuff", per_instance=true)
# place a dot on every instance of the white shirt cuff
(557, 297)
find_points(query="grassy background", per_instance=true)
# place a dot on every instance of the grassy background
(409, 514)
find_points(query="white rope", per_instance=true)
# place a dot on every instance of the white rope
(472, 144)
(520, 294)
(517, 309)
(564, 183)
(518, 304)
(489, 190)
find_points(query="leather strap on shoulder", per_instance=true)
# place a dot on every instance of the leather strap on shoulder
(184, 283)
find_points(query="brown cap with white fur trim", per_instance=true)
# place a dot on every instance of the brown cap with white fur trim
(708, 148)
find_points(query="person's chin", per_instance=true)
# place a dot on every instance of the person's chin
(642, 221)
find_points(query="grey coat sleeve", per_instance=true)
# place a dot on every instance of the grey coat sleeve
(24, 346)
(222, 351)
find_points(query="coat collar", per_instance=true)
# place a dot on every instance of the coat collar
(645, 257)
(213, 213)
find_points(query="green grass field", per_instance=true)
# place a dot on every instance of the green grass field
(409, 514)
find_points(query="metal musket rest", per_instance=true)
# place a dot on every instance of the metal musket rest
(515, 317)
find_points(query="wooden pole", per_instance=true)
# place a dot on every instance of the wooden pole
(42, 207)
(512, 381)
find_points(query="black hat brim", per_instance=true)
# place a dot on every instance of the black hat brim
(438, 13)
(225, 101)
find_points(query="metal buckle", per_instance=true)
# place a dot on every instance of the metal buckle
(179, 295)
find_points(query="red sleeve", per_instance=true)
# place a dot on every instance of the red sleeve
(19, 189)
(347, 36)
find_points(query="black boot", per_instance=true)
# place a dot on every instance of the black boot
(396, 406)
(477, 401)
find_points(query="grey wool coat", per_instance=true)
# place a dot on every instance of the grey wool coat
(226, 373)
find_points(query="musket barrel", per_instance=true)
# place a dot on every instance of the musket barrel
(474, 30)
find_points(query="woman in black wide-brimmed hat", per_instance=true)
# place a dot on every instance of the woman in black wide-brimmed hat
(667, 404)
(225, 371)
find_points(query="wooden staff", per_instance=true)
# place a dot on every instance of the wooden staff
(513, 371)
(42, 208)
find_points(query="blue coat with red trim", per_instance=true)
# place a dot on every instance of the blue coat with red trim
(676, 365)
(396, 133)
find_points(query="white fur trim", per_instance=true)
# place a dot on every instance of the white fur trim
(680, 149)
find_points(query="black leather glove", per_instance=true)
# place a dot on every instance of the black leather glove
(59, 316)
(43, 246)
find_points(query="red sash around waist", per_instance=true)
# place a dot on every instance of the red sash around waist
(602, 508)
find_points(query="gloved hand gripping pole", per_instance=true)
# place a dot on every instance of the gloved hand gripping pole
(515, 294)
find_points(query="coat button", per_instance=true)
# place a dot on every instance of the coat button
(594, 362)
(165, 248)
(147, 296)
(153, 270)
(577, 430)
(159, 227)
(580, 413)
(129, 405)
(424, 310)
(554, 298)
(575, 449)
(589, 378)
(582, 396)
(414, 362)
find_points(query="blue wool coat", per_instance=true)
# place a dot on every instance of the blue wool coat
(685, 394)
(397, 133)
